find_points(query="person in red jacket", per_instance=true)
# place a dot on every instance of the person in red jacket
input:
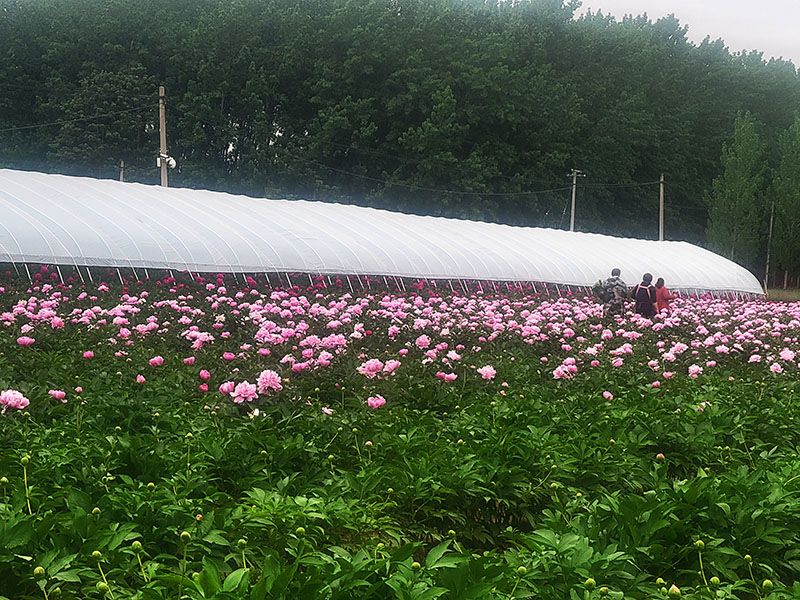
(663, 296)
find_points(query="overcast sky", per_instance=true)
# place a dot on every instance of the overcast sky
(771, 26)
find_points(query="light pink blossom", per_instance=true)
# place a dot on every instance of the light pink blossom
(370, 368)
(13, 399)
(487, 372)
(59, 395)
(269, 381)
(376, 401)
(244, 392)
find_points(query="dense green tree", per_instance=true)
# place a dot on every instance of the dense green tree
(467, 108)
(785, 193)
(736, 224)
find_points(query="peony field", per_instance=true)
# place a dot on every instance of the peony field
(236, 438)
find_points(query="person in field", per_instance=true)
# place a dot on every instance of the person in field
(613, 293)
(644, 295)
(663, 297)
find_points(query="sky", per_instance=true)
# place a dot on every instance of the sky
(771, 26)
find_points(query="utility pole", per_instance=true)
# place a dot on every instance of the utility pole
(661, 208)
(575, 174)
(162, 131)
(769, 244)
(122, 170)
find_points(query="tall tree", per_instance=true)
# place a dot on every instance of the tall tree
(736, 201)
(466, 108)
(785, 193)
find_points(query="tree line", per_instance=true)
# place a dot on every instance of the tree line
(464, 108)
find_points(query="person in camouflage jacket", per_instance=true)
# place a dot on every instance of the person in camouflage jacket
(613, 293)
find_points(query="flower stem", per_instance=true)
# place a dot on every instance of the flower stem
(702, 570)
(183, 573)
(141, 566)
(755, 585)
(103, 575)
(27, 489)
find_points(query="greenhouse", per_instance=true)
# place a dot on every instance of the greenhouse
(83, 222)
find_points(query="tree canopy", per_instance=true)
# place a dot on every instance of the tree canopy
(465, 108)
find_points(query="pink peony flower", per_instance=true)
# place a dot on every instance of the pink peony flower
(229, 356)
(244, 392)
(203, 387)
(59, 395)
(204, 375)
(156, 361)
(608, 395)
(328, 411)
(776, 368)
(269, 381)
(376, 401)
(140, 379)
(422, 342)
(13, 399)
(446, 377)
(189, 360)
(24, 340)
(226, 388)
(370, 368)
(78, 390)
(488, 372)
(88, 355)
(391, 366)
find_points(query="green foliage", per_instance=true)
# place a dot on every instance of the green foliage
(737, 215)
(544, 490)
(785, 193)
(449, 107)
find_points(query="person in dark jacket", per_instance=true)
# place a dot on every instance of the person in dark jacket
(645, 296)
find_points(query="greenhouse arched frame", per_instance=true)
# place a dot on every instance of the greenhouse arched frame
(84, 222)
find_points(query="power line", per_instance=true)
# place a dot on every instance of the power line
(463, 193)
(79, 119)
(404, 159)
(618, 185)
(420, 187)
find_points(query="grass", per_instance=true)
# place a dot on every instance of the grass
(781, 295)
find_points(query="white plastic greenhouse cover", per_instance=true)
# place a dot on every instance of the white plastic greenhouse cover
(56, 219)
